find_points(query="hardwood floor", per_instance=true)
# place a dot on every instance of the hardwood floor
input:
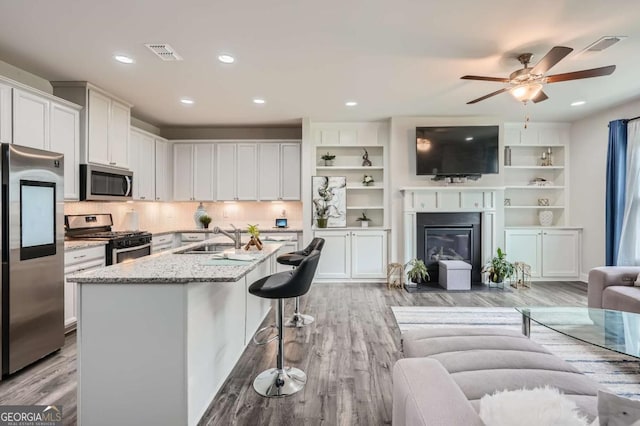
(348, 354)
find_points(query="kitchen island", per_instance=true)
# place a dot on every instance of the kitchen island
(158, 336)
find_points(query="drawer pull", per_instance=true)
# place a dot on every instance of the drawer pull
(80, 257)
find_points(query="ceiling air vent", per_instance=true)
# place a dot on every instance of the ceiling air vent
(603, 43)
(164, 51)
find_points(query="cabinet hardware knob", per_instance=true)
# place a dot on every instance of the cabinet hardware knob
(81, 256)
(112, 163)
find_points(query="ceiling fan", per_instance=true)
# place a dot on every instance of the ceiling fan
(526, 84)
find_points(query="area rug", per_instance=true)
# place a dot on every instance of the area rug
(619, 373)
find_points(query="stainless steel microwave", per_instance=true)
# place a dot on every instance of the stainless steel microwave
(101, 183)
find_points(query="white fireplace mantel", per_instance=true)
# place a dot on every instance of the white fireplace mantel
(454, 199)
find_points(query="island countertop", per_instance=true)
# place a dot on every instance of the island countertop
(173, 267)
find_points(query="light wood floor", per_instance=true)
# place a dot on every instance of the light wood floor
(347, 354)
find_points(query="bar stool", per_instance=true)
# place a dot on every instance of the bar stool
(284, 381)
(293, 259)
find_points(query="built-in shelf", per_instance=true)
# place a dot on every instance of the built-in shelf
(533, 187)
(365, 207)
(349, 168)
(535, 167)
(534, 207)
(364, 187)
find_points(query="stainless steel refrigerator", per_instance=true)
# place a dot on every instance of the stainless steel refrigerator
(32, 207)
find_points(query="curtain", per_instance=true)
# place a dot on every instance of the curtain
(616, 182)
(629, 248)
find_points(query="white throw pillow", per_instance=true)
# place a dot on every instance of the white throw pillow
(530, 407)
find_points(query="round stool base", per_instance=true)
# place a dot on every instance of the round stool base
(274, 383)
(299, 320)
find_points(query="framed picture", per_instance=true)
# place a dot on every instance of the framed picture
(329, 196)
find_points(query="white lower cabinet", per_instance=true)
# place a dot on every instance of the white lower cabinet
(551, 253)
(353, 255)
(162, 242)
(77, 261)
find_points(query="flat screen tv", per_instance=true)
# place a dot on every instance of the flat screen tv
(457, 150)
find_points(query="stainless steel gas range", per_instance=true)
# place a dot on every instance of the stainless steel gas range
(121, 245)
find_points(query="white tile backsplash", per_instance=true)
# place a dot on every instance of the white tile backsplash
(161, 216)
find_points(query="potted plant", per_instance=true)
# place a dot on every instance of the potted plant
(322, 212)
(255, 237)
(205, 220)
(328, 159)
(499, 267)
(418, 272)
(364, 220)
(367, 180)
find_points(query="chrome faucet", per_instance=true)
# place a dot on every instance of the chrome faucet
(235, 237)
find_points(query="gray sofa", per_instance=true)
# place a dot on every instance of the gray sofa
(611, 287)
(447, 370)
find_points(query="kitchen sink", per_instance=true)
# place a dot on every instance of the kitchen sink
(208, 249)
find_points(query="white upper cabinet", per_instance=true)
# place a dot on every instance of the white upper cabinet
(142, 163)
(98, 146)
(247, 172)
(269, 169)
(163, 170)
(6, 133)
(183, 172)
(279, 168)
(30, 119)
(290, 171)
(119, 135)
(65, 138)
(105, 123)
(203, 171)
(226, 171)
(108, 131)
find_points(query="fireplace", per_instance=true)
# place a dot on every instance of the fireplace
(449, 236)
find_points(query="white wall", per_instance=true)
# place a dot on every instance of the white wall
(402, 164)
(589, 140)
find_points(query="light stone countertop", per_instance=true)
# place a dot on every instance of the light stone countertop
(170, 267)
(82, 244)
(230, 230)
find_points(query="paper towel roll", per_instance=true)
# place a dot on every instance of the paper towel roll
(131, 220)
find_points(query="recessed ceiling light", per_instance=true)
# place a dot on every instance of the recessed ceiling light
(187, 101)
(351, 103)
(578, 103)
(259, 101)
(123, 59)
(468, 138)
(226, 59)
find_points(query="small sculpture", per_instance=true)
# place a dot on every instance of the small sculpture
(365, 159)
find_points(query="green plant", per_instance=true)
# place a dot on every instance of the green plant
(363, 218)
(418, 271)
(499, 267)
(253, 230)
(328, 156)
(205, 220)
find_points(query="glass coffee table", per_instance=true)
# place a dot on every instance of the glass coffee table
(614, 330)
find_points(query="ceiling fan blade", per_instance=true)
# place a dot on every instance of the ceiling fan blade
(541, 96)
(576, 75)
(554, 56)
(481, 78)
(497, 92)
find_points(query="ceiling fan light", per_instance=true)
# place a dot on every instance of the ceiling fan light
(526, 92)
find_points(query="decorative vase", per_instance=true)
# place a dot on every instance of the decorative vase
(545, 217)
(364, 223)
(200, 211)
(322, 222)
(328, 162)
(206, 226)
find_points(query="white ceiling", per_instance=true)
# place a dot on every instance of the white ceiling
(306, 58)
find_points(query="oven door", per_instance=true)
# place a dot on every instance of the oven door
(130, 253)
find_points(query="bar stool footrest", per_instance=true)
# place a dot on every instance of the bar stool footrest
(262, 330)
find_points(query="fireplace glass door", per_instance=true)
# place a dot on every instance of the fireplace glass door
(448, 243)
